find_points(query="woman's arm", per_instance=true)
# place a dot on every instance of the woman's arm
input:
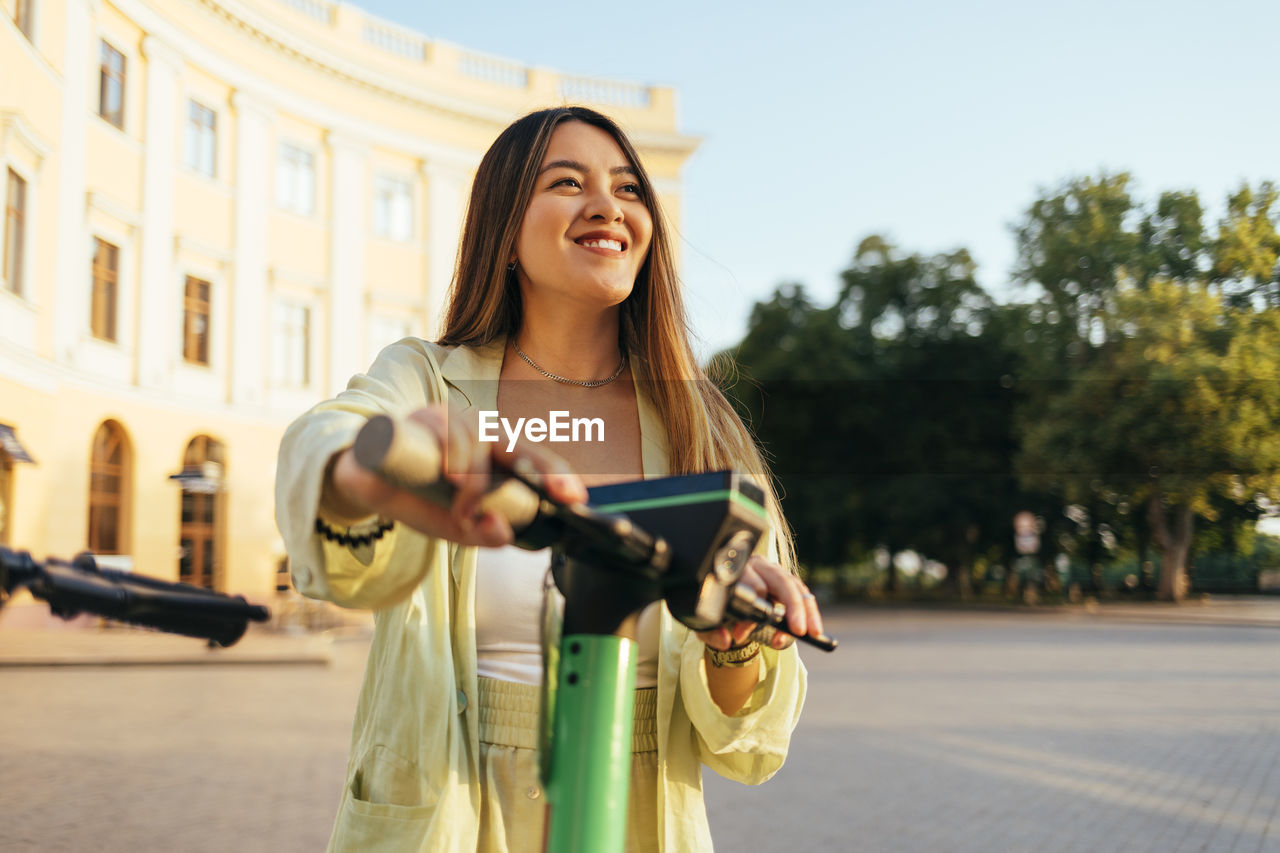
(731, 686)
(749, 745)
(403, 378)
(318, 478)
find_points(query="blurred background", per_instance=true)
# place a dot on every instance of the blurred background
(997, 284)
(1010, 275)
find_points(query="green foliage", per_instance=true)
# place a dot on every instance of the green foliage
(1159, 353)
(885, 414)
(1138, 381)
(1246, 263)
(1266, 551)
(1172, 243)
(1077, 245)
(1185, 401)
(913, 297)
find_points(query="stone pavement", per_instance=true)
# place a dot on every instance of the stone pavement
(926, 731)
(1051, 731)
(112, 644)
(1257, 610)
(126, 646)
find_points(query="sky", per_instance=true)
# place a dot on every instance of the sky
(934, 123)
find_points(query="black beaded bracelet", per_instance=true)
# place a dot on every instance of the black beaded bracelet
(334, 534)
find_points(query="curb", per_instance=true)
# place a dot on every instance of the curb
(55, 649)
(106, 661)
(1171, 620)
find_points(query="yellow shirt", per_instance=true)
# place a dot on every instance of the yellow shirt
(411, 776)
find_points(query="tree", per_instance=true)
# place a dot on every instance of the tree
(912, 298)
(1246, 265)
(884, 413)
(1131, 345)
(1177, 411)
(789, 380)
(1078, 245)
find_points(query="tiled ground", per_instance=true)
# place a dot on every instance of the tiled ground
(924, 732)
(965, 732)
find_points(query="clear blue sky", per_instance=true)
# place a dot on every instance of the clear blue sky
(932, 122)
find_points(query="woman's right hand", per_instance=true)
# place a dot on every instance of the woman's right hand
(353, 491)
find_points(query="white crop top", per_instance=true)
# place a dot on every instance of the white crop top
(509, 618)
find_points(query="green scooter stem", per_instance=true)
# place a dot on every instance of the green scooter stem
(591, 750)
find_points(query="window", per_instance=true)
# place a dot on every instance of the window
(108, 488)
(195, 321)
(198, 551)
(11, 450)
(200, 145)
(6, 495)
(111, 86)
(296, 179)
(23, 18)
(106, 275)
(291, 345)
(393, 208)
(384, 330)
(15, 223)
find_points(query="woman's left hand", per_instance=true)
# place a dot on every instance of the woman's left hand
(771, 581)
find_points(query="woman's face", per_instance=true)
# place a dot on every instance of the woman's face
(586, 231)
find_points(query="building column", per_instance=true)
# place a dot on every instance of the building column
(347, 228)
(72, 277)
(159, 316)
(249, 303)
(446, 204)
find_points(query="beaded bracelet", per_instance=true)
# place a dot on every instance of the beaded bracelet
(334, 534)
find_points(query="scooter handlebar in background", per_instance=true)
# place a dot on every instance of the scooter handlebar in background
(79, 586)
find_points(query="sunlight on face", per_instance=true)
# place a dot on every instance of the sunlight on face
(587, 229)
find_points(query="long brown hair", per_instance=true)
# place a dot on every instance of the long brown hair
(703, 431)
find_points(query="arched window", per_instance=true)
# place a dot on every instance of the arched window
(6, 495)
(200, 552)
(109, 490)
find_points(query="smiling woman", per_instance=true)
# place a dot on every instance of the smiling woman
(565, 301)
(587, 228)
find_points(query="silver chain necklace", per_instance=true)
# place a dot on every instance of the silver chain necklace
(594, 383)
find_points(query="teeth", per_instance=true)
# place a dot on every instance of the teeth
(615, 245)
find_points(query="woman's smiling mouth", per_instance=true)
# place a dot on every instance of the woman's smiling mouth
(606, 244)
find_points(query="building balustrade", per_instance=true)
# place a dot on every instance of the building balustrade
(492, 69)
(395, 40)
(318, 10)
(614, 94)
(451, 61)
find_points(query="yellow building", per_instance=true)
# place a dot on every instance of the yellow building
(217, 211)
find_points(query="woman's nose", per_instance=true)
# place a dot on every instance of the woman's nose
(602, 205)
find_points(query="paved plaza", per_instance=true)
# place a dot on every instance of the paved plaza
(926, 731)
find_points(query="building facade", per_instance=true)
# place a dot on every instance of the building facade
(216, 212)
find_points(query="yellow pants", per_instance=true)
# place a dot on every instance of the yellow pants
(513, 810)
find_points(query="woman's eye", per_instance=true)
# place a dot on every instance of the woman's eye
(566, 182)
(633, 189)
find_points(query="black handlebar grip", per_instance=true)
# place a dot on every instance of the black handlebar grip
(747, 605)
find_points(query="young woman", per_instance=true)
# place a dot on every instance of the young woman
(565, 299)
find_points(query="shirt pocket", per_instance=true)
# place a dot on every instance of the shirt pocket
(385, 784)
